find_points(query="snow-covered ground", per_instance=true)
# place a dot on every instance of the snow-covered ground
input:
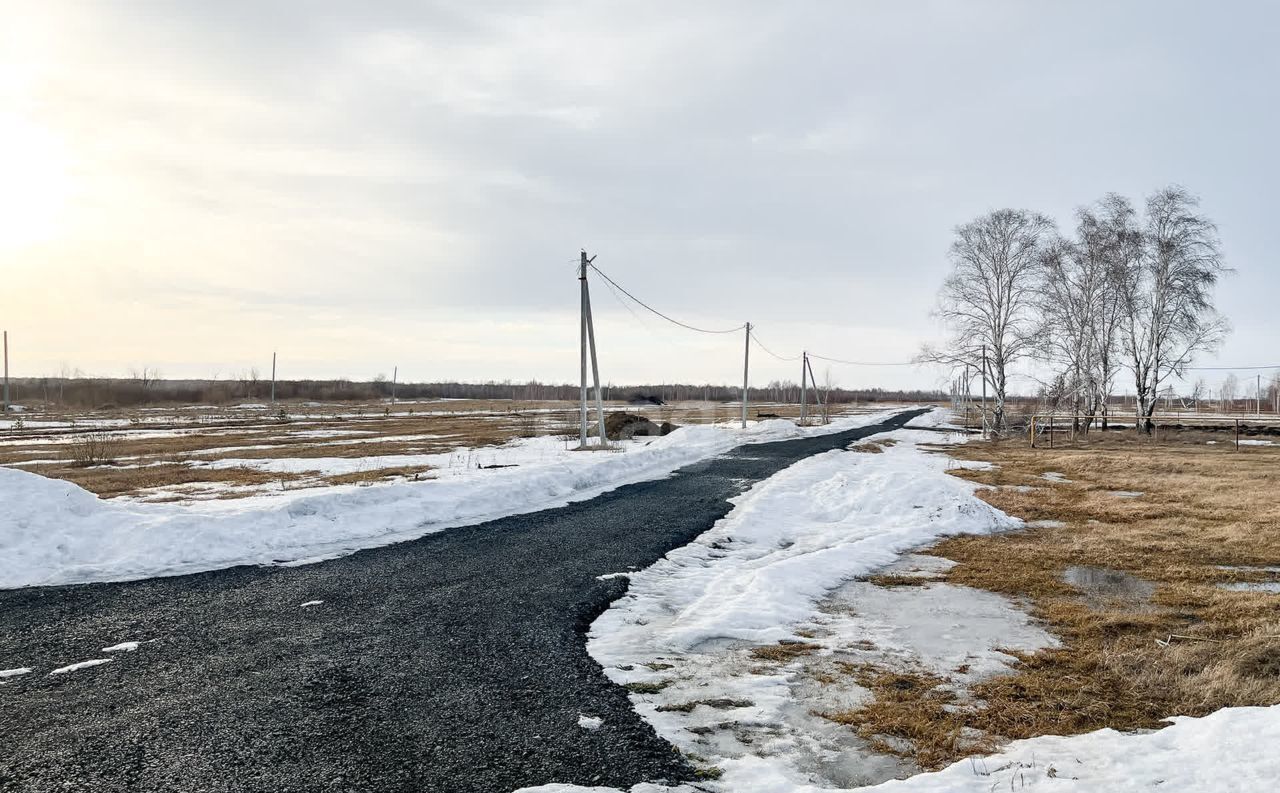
(53, 532)
(780, 568)
(1229, 751)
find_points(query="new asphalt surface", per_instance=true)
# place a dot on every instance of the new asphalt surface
(455, 662)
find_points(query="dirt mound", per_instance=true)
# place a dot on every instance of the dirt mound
(621, 426)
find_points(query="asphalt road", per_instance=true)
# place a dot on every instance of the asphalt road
(455, 662)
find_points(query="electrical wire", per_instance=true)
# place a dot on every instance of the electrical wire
(860, 363)
(1228, 368)
(672, 320)
(760, 344)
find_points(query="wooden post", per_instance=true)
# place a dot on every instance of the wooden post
(1033, 431)
(1237, 434)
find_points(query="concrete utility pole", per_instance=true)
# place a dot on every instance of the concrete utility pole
(395, 371)
(817, 395)
(6, 372)
(588, 340)
(1258, 402)
(273, 378)
(746, 370)
(804, 396)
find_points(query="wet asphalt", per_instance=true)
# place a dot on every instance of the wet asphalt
(455, 662)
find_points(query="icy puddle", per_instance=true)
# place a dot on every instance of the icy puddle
(1272, 587)
(1102, 585)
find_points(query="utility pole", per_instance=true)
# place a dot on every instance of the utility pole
(817, 395)
(1257, 403)
(804, 396)
(395, 372)
(273, 378)
(746, 369)
(6, 372)
(582, 348)
(589, 341)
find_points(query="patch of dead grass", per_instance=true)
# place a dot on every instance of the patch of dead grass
(1202, 508)
(1124, 662)
(411, 472)
(910, 714)
(108, 481)
(784, 652)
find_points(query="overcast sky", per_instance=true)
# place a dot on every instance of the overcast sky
(191, 185)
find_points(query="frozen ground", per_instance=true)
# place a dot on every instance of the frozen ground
(54, 532)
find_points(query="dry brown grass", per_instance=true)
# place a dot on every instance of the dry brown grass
(896, 579)
(108, 481)
(874, 447)
(911, 714)
(784, 652)
(412, 472)
(1203, 507)
(1125, 661)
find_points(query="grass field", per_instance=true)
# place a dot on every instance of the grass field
(195, 452)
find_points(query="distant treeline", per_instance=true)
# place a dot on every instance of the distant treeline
(93, 393)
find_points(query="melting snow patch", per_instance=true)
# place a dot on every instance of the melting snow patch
(684, 637)
(590, 722)
(1125, 493)
(62, 670)
(122, 647)
(22, 670)
(608, 576)
(309, 604)
(1054, 476)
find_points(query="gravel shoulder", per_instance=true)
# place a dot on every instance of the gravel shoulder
(455, 662)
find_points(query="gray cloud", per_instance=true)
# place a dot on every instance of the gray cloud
(798, 165)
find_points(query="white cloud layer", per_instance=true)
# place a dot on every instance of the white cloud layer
(363, 185)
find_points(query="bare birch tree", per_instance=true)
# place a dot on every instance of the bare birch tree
(988, 301)
(1080, 305)
(1167, 295)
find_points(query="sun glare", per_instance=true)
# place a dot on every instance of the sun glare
(35, 183)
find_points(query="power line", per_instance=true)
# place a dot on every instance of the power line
(672, 320)
(860, 363)
(1228, 368)
(613, 291)
(760, 344)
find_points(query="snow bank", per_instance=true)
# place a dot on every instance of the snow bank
(789, 540)
(53, 532)
(1224, 752)
(687, 622)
